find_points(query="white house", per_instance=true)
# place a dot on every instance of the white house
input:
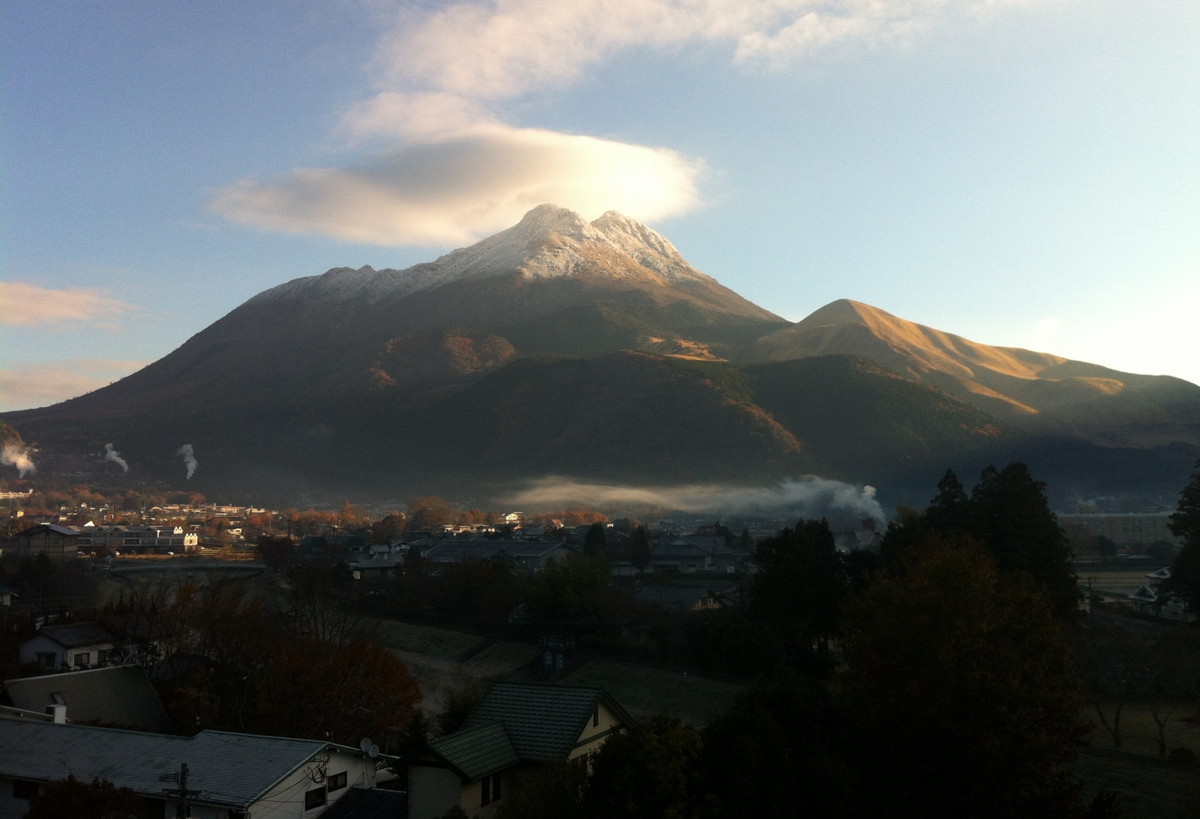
(73, 645)
(229, 776)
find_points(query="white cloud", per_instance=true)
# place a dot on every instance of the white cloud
(28, 305)
(454, 190)
(450, 170)
(37, 385)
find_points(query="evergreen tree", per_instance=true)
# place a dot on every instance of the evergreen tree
(640, 553)
(1008, 512)
(798, 594)
(1184, 582)
(595, 544)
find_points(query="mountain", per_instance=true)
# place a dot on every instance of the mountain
(595, 350)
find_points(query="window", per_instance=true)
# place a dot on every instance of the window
(489, 788)
(45, 659)
(596, 715)
(337, 781)
(83, 658)
(24, 790)
(102, 656)
(314, 798)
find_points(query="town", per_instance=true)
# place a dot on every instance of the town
(443, 661)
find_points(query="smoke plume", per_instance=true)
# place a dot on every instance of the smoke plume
(111, 454)
(189, 459)
(18, 456)
(808, 497)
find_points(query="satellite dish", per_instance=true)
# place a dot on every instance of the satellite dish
(369, 748)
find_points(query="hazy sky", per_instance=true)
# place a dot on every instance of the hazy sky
(1019, 172)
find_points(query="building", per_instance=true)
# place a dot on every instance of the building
(73, 645)
(138, 539)
(1127, 530)
(119, 697)
(516, 727)
(49, 539)
(228, 775)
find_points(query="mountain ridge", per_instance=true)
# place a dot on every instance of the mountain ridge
(596, 344)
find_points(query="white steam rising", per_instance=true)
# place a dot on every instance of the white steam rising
(808, 497)
(18, 456)
(189, 459)
(111, 454)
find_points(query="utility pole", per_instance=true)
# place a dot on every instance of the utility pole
(181, 808)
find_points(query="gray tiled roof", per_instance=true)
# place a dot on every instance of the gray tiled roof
(228, 769)
(543, 721)
(120, 696)
(478, 752)
(73, 635)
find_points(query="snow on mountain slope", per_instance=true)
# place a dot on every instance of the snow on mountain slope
(549, 242)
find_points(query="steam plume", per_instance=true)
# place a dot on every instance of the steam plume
(189, 459)
(808, 497)
(18, 456)
(111, 454)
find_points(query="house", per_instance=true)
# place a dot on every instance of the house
(228, 775)
(49, 539)
(138, 539)
(516, 727)
(120, 697)
(686, 598)
(530, 555)
(73, 645)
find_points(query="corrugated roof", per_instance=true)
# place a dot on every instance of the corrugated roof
(227, 769)
(543, 721)
(120, 696)
(478, 752)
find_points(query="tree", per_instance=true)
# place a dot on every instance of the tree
(276, 553)
(100, 800)
(799, 592)
(340, 693)
(1184, 581)
(640, 552)
(650, 771)
(1010, 515)
(595, 544)
(957, 661)
(780, 750)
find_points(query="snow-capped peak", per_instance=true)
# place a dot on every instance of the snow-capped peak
(549, 242)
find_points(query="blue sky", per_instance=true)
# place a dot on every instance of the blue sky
(1019, 172)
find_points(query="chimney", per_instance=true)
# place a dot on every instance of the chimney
(58, 713)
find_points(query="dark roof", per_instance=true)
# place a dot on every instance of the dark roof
(120, 697)
(49, 527)
(73, 635)
(230, 769)
(543, 721)
(477, 752)
(369, 803)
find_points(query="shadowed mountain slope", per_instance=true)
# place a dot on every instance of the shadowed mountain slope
(594, 349)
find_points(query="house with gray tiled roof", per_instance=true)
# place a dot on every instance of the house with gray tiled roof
(68, 645)
(530, 555)
(229, 776)
(516, 726)
(120, 697)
